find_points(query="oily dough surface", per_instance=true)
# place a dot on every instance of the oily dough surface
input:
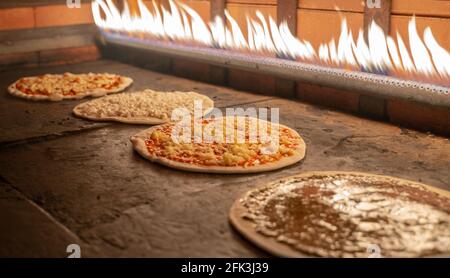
(345, 214)
(142, 107)
(57, 87)
(156, 145)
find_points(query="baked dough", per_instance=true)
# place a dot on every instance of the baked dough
(142, 107)
(223, 158)
(345, 214)
(57, 87)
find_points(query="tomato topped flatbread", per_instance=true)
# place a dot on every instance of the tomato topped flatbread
(253, 146)
(57, 87)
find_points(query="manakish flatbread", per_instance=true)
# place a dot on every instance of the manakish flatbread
(157, 145)
(144, 107)
(345, 214)
(56, 87)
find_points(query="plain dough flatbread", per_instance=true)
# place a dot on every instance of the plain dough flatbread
(127, 81)
(139, 145)
(270, 244)
(120, 107)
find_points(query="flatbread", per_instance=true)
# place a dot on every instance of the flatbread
(143, 107)
(57, 87)
(217, 157)
(345, 214)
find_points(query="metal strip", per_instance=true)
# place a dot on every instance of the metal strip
(287, 12)
(366, 83)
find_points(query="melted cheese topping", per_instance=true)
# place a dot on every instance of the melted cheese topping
(246, 154)
(143, 104)
(67, 84)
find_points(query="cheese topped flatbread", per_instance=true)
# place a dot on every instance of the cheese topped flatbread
(143, 107)
(57, 87)
(220, 154)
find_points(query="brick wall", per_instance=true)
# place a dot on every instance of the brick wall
(326, 21)
(38, 32)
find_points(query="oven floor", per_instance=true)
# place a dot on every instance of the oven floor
(65, 180)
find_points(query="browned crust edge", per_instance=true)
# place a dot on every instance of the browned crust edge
(138, 141)
(94, 93)
(135, 120)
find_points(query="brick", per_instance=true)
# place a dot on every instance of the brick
(439, 26)
(16, 18)
(421, 7)
(240, 11)
(287, 12)
(218, 75)
(419, 116)
(191, 70)
(253, 82)
(203, 8)
(69, 55)
(138, 57)
(57, 15)
(218, 8)
(286, 88)
(329, 97)
(257, 2)
(19, 59)
(327, 25)
(372, 107)
(343, 5)
(382, 16)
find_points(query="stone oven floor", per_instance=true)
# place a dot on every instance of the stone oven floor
(65, 180)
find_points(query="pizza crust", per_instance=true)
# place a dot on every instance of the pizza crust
(127, 81)
(79, 112)
(135, 120)
(276, 248)
(139, 145)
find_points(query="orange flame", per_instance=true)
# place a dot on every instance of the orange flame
(381, 53)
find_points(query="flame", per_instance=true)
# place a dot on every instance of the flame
(425, 59)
